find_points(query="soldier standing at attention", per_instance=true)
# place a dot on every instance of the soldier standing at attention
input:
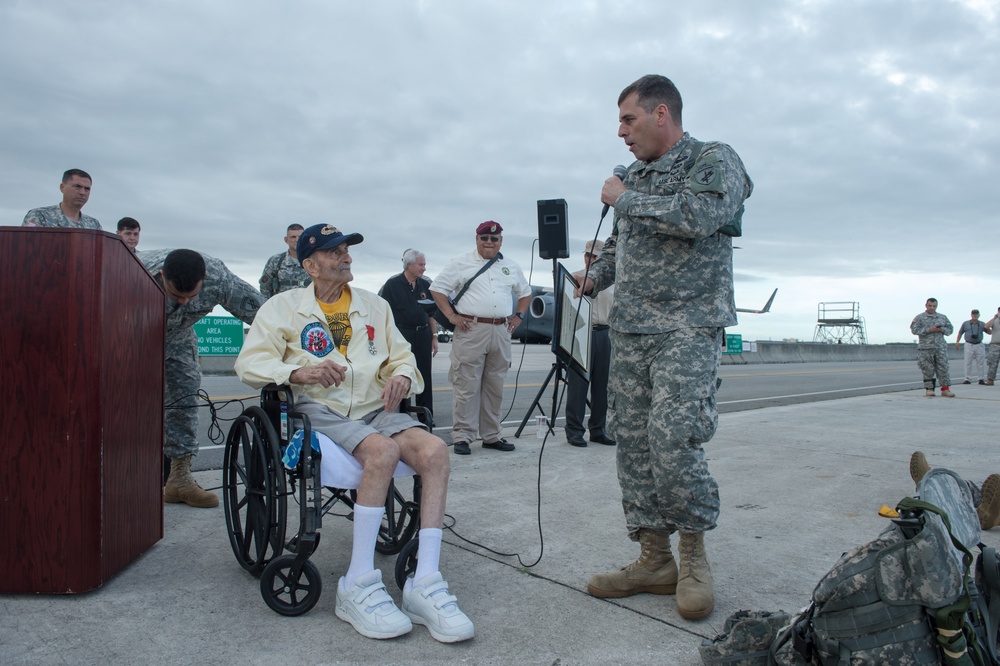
(670, 255)
(931, 327)
(194, 284)
(283, 271)
(75, 188)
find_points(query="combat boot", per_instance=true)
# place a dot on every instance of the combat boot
(918, 466)
(655, 571)
(929, 393)
(946, 392)
(989, 508)
(181, 487)
(695, 599)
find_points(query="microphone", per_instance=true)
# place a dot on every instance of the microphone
(620, 172)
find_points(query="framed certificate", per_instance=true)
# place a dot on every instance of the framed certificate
(571, 339)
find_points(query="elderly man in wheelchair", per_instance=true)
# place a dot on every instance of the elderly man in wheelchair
(349, 368)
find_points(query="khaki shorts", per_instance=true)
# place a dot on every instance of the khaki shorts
(348, 433)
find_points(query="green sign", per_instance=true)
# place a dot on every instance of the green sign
(734, 344)
(219, 336)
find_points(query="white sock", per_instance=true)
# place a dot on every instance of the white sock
(428, 552)
(367, 521)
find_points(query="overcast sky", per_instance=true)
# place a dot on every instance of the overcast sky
(870, 130)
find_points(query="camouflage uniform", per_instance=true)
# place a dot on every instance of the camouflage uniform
(673, 273)
(182, 370)
(52, 216)
(993, 352)
(282, 273)
(932, 348)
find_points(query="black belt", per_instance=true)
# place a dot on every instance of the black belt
(973, 343)
(601, 327)
(413, 328)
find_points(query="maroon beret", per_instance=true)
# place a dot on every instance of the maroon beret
(489, 227)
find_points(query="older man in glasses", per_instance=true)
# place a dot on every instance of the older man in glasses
(494, 297)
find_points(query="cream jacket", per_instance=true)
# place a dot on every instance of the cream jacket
(290, 332)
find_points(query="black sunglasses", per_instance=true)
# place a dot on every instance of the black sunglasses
(484, 238)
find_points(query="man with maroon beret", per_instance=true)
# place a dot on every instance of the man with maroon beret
(487, 313)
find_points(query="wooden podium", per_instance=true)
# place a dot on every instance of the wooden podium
(81, 394)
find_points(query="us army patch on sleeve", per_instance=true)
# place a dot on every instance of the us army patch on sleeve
(707, 177)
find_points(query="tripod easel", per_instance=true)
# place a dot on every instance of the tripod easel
(559, 369)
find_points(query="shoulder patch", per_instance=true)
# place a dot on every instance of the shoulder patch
(707, 176)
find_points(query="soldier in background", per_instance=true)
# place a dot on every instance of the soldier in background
(75, 188)
(670, 254)
(194, 284)
(993, 354)
(129, 229)
(931, 327)
(283, 271)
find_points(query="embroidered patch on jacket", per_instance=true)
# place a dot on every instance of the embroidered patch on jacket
(706, 175)
(505, 270)
(315, 340)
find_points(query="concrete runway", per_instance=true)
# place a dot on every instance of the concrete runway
(799, 485)
(743, 387)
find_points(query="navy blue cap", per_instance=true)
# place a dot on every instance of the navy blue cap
(323, 237)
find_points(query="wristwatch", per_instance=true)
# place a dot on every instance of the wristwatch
(519, 315)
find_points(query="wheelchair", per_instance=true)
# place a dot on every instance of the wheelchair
(256, 487)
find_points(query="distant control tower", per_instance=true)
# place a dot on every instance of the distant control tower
(840, 323)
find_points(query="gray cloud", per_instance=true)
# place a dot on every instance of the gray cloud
(869, 129)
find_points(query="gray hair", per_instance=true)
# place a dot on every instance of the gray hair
(410, 257)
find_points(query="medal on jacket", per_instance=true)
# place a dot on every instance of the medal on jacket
(371, 340)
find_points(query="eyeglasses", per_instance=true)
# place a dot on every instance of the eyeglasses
(484, 238)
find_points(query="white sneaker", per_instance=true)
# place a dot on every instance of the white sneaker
(432, 606)
(370, 609)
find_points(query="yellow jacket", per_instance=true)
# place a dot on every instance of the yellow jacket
(290, 332)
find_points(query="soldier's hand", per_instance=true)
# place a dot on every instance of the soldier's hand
(326, 374)
(613, 188)
(588, 286)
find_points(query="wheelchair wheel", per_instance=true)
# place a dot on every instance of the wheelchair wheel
(399, 524)
(406, 562)
(253, 490)
(287, 592)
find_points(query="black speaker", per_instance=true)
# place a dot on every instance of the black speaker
(553, 231)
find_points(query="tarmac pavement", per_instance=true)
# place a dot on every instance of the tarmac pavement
(800, 484)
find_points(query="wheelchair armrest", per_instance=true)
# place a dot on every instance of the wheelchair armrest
(419, 412)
